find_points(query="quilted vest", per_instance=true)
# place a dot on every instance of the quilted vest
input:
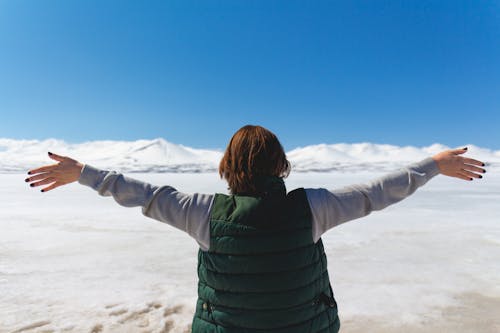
(263, 272)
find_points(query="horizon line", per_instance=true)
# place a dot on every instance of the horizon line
(222, 149)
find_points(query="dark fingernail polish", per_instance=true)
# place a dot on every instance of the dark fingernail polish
(32, 185)
(484, 171)
(465, 148)
(41, 190)
(26, 180)
(50, 153)
(470, 178)
(484, 164)
(480, 176)
(29, 172)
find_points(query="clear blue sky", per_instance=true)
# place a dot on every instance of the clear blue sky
(192, 72)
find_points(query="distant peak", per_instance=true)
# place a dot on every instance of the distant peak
(160, 155)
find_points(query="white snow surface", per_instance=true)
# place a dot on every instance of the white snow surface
(72, 261)
(159, 155)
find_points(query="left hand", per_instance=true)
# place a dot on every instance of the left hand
(66, 171)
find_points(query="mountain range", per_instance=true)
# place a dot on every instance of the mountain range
(159, 155)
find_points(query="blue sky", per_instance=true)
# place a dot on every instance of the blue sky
(193, 72)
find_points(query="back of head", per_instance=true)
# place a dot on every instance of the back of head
(253, 153)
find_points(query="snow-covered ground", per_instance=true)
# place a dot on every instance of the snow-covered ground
(71, 261)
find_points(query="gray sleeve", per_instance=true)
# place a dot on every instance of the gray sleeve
(331, 208)
(187, 212)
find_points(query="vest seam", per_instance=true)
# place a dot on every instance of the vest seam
(262, 310)
(276, 328)
(260, 253)
(273, 272)
(321, 277)
(312, 245)
(273, 233)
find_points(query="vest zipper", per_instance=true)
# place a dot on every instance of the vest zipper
(207, 307)
(325, 299)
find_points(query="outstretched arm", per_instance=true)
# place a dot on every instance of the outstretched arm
(331, 208)
(186, 212)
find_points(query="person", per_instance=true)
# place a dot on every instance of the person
(261, 263)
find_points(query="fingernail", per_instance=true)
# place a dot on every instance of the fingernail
(41, 190)
(50, 153)
(32, 185)
(484, 164)
(470, 178)
(29, 172)
(465, 148)
(484, 171)
(480, 176)
(27, 180)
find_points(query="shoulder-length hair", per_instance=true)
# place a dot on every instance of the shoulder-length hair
(253, 152)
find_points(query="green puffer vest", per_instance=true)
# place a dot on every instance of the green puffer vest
(263, 272)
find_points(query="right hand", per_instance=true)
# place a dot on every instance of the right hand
(451, 164)
(66, 171)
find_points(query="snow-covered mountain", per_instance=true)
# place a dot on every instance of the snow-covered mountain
(373, 157)
(159, 155)
(155, 155)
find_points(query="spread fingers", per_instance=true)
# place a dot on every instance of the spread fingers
(474, 168)
(39, 176)
(472, 161)
(51, 187)
(45, 181)
(45, 168)
(470, 174)
(462, 176)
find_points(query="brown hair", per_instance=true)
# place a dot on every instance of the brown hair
(252, 152)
